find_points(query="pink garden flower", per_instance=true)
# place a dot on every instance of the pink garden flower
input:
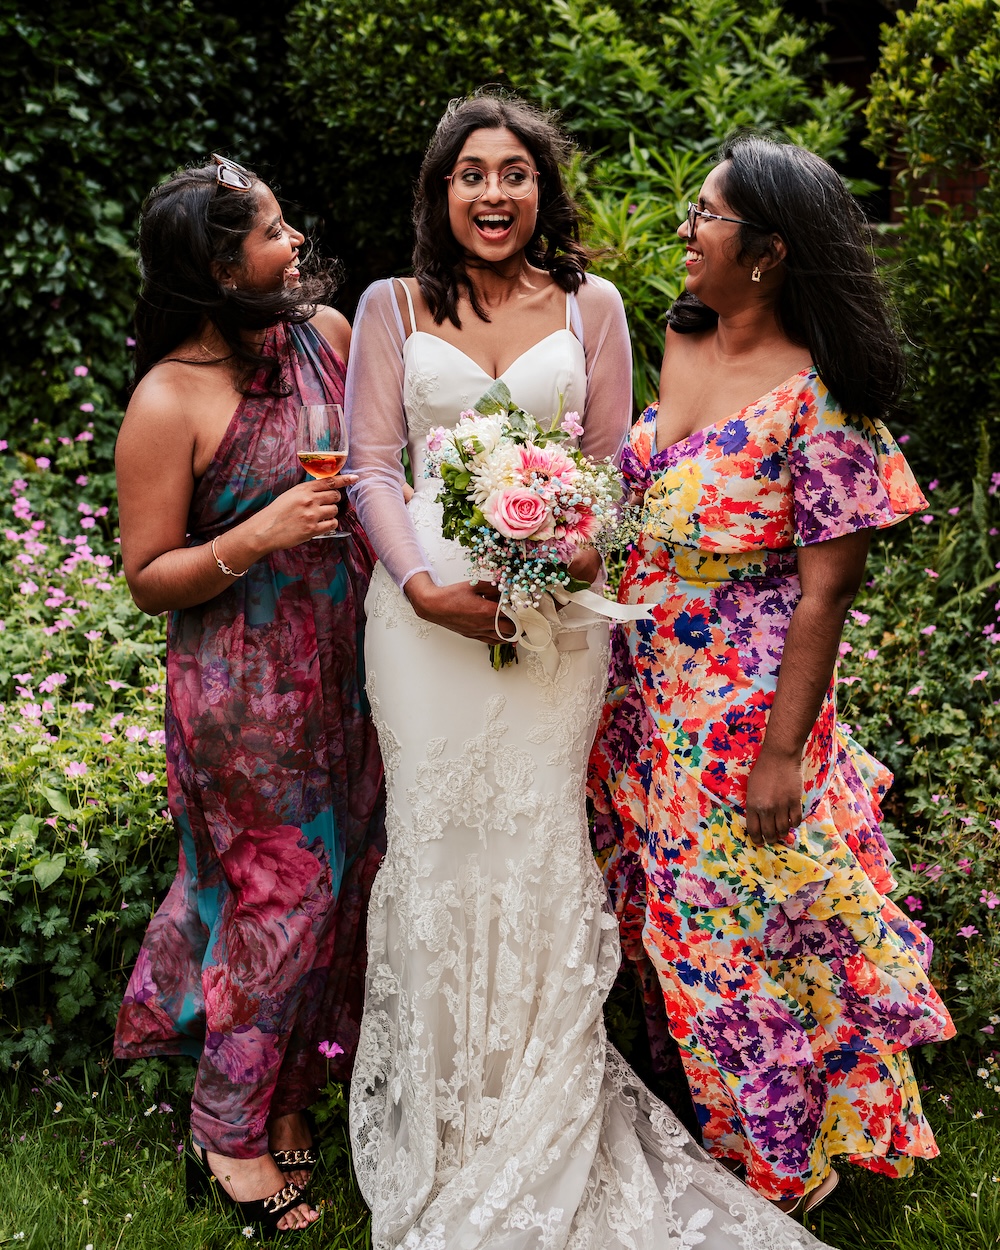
(81, 371)
(330, 1050)
(76, 769)
(571, 425)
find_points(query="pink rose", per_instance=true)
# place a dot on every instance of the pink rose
(516, 512)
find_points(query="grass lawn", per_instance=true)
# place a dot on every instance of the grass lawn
(99, 1166)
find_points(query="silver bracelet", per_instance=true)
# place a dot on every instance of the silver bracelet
(223, 567)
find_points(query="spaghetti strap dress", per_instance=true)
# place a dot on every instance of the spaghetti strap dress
(792, 984)
(274, 779)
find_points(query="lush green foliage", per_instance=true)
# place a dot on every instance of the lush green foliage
(96, 105)
(85, 847)
(921, 690)
(933, 119)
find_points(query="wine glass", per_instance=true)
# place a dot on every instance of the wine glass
(321, 445)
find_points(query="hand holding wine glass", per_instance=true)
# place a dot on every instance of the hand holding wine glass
(321, 445)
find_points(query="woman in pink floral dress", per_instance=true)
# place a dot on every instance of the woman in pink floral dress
(257, 954)
(747, 864)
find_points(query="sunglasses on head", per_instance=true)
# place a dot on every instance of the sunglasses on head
(231, 175)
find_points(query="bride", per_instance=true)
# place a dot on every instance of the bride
(487, 1107)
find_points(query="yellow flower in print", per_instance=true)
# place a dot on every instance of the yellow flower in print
(671, 500)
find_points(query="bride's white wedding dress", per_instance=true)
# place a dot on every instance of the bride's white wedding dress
(487, 1107)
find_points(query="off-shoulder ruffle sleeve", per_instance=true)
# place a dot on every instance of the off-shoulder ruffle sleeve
(846, 475)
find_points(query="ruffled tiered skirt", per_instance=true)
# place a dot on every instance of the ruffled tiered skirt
(792, 984)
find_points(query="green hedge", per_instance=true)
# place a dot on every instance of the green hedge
(97, 103)
(933, 119)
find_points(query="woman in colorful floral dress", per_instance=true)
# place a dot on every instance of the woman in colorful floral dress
(257, 954)
(747, 863)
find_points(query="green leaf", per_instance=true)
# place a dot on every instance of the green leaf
(496, 399)
(58, 801)
(47, 871)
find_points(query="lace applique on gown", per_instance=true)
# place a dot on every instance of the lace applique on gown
(487, 1107)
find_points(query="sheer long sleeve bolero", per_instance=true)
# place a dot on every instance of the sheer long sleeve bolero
(377, 420)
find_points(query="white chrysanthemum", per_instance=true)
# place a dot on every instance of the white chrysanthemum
(494, 472)
(487, 431)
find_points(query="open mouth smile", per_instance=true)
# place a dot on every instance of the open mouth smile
(493, 225)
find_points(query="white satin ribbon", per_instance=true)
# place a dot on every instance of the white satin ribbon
(538, 628)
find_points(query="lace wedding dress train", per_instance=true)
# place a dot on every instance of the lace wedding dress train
(488, 1109)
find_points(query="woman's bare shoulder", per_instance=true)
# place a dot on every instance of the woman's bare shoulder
(335, 328)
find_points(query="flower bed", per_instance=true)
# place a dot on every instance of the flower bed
(85, 847)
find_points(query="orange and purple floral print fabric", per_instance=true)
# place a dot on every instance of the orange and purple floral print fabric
(257, 954)
(791, 983)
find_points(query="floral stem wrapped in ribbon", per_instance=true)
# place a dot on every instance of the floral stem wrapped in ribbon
(523, 500)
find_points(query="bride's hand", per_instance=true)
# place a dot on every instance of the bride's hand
(585, 565)
(468, 610)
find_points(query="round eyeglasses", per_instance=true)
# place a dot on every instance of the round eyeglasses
(470, 183)
(694, 212)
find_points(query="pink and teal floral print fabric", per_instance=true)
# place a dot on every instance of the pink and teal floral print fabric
(257, 954)
(792, 983)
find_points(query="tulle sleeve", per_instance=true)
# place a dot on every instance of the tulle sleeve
(599, 322)
(376, 420)
(846, 475)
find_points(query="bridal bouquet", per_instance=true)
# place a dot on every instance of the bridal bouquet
(523, 500)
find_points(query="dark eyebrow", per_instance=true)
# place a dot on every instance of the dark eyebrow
(507, 160)
(275, 222)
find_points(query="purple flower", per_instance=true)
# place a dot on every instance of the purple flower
(968, 931)
(330, 1050)
(733, 437)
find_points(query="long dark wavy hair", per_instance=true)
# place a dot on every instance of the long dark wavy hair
(188, 223)
(832, 300)
(438, 261)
